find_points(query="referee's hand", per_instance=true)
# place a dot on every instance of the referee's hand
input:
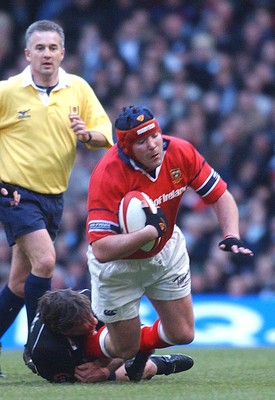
(6, 189)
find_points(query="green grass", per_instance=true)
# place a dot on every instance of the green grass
(222, 374)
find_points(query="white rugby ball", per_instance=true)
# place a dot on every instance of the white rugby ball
(132, 216)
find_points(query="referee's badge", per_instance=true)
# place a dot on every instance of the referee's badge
(74, 110)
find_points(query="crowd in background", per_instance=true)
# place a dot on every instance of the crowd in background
(206, 68)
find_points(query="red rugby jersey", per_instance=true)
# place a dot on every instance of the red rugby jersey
(116, 174)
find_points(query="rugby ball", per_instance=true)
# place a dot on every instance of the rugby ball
(132, 216)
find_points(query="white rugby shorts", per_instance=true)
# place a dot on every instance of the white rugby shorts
(118, 286)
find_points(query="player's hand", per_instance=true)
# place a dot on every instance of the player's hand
(80, 129)
(234, 245)
(8, 190)
(158, 220)
(92, 372)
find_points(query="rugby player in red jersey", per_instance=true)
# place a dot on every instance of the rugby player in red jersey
(163, 167)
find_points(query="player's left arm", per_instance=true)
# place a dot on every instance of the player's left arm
(91, 125)
(85, 135)
(228, 216)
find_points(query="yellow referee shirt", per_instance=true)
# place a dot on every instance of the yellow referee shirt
(37, 145)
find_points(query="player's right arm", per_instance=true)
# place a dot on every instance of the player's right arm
(115, 247)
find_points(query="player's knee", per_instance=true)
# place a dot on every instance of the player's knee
(44, 266)
(184, 336)
(189, 336)
(126, 353)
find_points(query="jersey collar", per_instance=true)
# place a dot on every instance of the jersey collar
(64, 79)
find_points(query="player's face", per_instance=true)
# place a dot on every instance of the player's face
(149, 151)
(83, 328)
(44, 54)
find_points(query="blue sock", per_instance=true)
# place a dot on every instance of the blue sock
(10, 305)
(35, 287)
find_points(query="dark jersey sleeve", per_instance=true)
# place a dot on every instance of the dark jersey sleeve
(55, 356)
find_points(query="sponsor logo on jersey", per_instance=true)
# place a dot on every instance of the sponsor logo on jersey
(24, 114)
(169, 196)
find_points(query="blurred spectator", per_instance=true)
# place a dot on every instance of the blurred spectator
(6, 44)
(78, 276)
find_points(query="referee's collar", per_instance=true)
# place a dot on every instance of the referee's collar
(64, 79)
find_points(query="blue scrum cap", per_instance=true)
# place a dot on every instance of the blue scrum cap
(132, 124)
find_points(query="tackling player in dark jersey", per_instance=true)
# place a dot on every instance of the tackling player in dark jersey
(57, 345)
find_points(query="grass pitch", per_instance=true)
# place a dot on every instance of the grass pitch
(217, 374)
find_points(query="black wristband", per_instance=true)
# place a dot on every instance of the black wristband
(229, 242)
(90, 138)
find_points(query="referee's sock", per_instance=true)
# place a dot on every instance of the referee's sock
(10, 306)
(35, 287)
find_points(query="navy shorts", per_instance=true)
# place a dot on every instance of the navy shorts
(34, 212)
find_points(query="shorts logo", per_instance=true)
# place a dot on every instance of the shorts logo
(182, 280)
(110, 313)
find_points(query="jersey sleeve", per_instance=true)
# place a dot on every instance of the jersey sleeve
(206, 182)
(104, 199)
(94, 114)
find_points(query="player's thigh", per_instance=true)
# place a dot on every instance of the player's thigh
(177, 317)
(39, 250)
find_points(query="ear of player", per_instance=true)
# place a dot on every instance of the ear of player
(158, 220)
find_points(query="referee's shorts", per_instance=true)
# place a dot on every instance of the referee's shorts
(34, 212)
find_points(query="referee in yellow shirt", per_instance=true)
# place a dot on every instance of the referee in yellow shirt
(44, 113)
